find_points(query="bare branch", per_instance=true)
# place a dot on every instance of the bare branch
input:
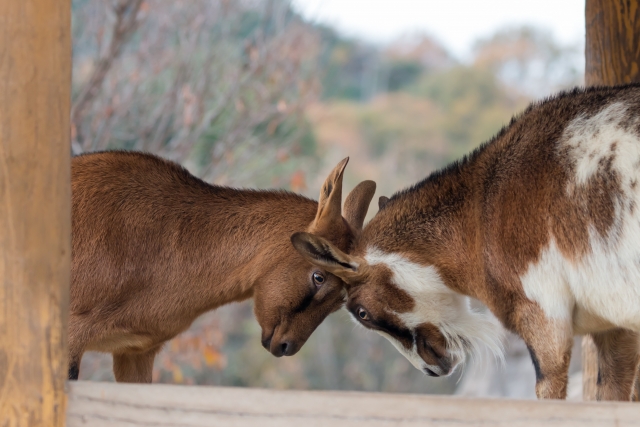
(205, 83)
(126, 22)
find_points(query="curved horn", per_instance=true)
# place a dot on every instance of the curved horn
(357, 204)
(330, 201)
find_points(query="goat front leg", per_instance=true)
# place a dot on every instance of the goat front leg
(549, 342)
(134, 367)
(617, 363)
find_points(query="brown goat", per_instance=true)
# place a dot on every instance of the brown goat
(154, 247)
(542, 224)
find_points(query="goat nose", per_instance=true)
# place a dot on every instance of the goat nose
(284, 348)
(445, 364)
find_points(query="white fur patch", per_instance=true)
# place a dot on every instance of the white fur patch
(545, 283)
(589, 140)
(602, 289)
(463, 328)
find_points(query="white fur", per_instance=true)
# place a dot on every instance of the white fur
(589, 140)
(463, 328)
(602, 289)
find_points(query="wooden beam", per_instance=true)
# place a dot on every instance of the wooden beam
(612, 54)
(129, 405)
(35, 224)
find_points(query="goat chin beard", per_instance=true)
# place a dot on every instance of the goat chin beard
(468, 332)
(475, 334)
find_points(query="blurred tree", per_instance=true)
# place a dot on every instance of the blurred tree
(530, 59)
(209, 84)
(401, 74)
(422, 49)
(347, 66)
(355, 70)
(474, 102)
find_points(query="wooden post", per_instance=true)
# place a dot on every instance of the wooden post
(612, 57)
(613, 42)
(35, 220)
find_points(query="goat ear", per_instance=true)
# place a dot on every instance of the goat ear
(330, 201)
(357, 204)
(322, 253)
(382, 201)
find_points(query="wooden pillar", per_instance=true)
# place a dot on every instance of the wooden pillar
(612, 54)
(613, 42)
(35, 221)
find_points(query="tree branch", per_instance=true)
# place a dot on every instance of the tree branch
(126, 12)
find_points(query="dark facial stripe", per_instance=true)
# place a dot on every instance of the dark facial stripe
(305, 303)
(403, 335)
(325, 254)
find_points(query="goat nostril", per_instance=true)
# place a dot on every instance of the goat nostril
(430, 372)
(285, 347)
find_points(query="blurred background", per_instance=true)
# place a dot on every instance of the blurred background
(273, 93)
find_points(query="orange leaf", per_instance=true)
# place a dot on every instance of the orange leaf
(297, 182)
(211, 356)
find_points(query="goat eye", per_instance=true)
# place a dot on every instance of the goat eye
(318, 279)
(362, 314)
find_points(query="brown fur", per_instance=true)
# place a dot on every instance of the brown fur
(432, 346)
(482, 221)
(616, 348)
(153, 247)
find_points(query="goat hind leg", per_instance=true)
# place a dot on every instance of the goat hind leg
(134, 367)
(76, 348)
(74, 369)
(617, 363)
(75, 356)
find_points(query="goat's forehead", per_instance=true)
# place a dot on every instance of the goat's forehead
(413, 278)
(380, 291)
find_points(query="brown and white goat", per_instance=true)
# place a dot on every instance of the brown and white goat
(154, 247)
(541, 224)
